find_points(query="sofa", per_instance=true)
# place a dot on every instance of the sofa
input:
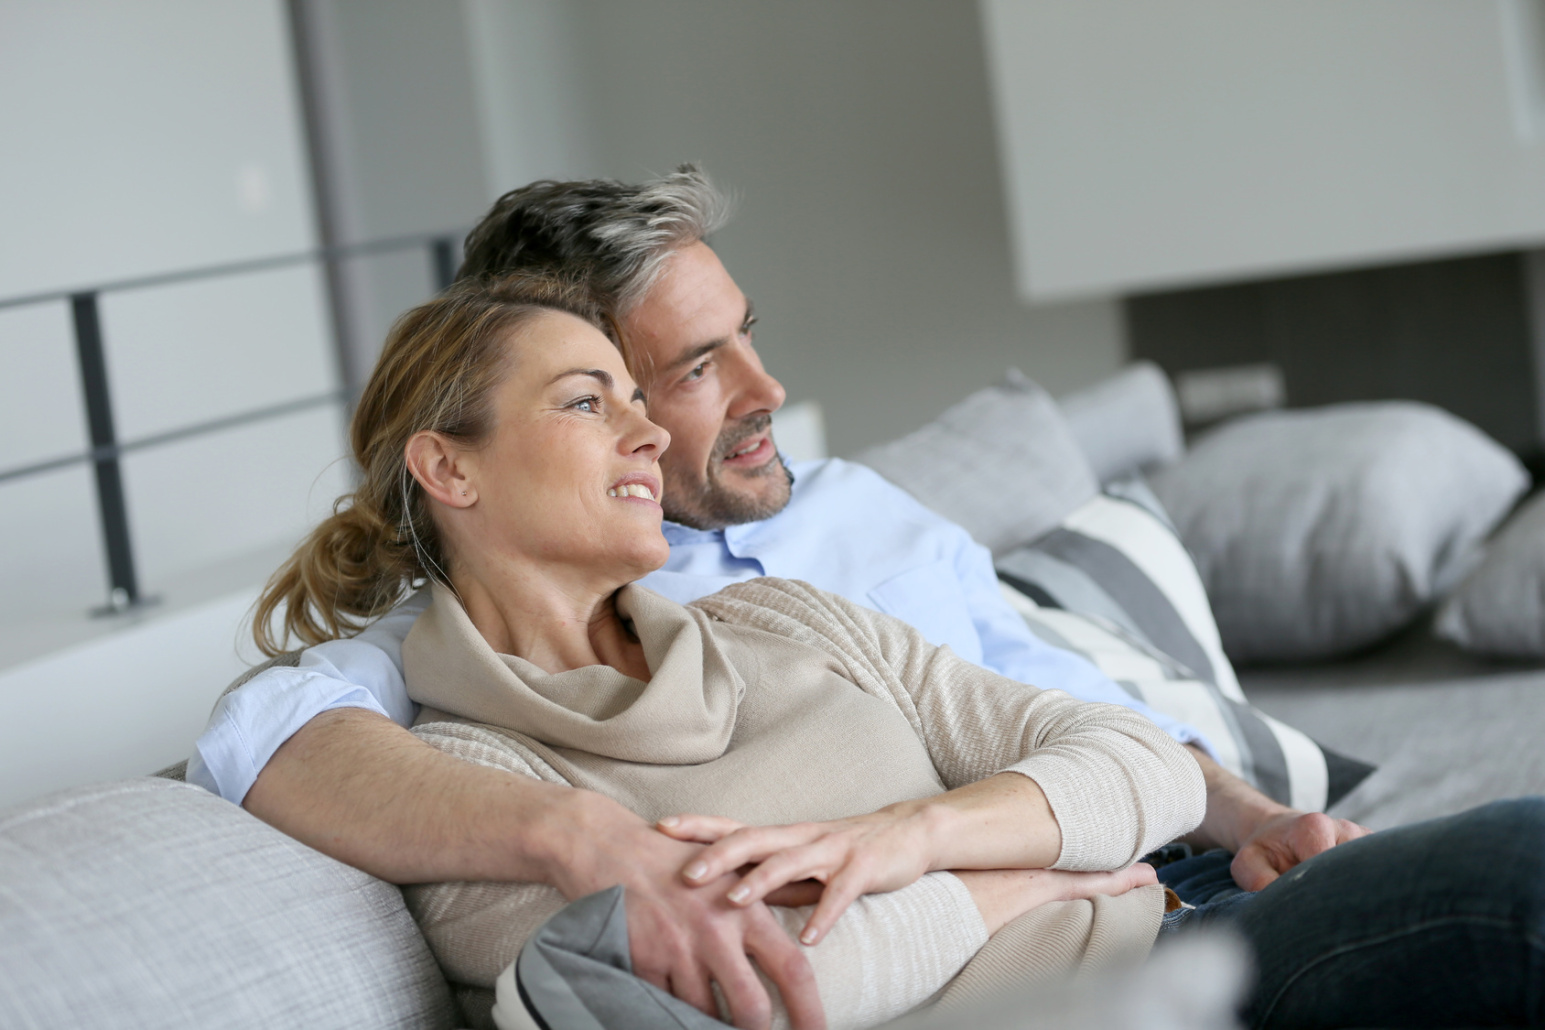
(148, 902)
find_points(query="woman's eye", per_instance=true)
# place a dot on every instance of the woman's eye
(591, 404)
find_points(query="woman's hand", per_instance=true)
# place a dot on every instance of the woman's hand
(867, 854)
(1002, 822)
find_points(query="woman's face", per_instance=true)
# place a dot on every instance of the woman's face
(571, 472)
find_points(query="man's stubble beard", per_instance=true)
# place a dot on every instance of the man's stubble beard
(713, 504)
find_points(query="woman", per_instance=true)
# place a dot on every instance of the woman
(507, 459)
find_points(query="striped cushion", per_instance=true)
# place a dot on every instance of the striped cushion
(1114, 584)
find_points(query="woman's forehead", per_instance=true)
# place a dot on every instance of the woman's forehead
(556, 339)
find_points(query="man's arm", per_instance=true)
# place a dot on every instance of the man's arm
(1267, 838)
(356, 786)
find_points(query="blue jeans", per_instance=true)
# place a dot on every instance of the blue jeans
(1436, 924)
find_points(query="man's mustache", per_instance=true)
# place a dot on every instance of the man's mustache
(731, 439)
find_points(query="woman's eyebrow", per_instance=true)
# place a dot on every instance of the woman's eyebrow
(599, 374)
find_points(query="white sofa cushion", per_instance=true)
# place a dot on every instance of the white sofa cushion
(1114, 584)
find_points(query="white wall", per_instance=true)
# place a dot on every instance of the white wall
(1196, 141)
(142, 139)
(872, 229)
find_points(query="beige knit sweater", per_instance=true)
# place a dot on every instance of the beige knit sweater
(776, 702)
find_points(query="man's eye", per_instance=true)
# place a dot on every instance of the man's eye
(745, 329)
(697, 373)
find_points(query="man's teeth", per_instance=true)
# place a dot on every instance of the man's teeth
(631, 490)
(747, 449)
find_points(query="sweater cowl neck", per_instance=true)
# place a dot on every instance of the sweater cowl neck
(684, 715)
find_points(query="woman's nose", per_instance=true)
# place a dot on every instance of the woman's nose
(645, 435)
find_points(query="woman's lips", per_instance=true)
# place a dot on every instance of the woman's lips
(636, 486)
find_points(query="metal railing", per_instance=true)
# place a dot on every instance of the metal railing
(106, 450)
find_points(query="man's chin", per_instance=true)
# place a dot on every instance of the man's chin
(730, 500)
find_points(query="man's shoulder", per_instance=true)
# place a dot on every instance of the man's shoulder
(851, 488)
(849, 514)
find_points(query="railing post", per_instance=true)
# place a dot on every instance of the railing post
(442, 259)
(112, 509)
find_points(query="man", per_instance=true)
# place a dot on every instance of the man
(319, 750)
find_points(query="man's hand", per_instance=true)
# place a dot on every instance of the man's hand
(1267, 838)
(1283, 841)
(686, 937)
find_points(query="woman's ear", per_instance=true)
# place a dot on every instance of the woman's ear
(441, 468)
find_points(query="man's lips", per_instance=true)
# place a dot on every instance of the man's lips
(760, 453)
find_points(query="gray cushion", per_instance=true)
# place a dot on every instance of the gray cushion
(1321, 531)
(1500, 609)
(1114, 584)
(1127, 423)
(1002, 463)
(151, 903)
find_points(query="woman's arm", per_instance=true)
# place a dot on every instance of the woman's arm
(1038, 779)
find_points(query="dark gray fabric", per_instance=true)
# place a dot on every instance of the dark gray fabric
(576, 973)
(146, 903)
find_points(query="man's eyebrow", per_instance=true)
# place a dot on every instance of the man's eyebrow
(692, 355)
(599, 374)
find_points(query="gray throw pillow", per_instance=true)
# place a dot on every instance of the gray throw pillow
(1500, 609)
(1113, 584)
(147, 903)
(1321, 531)
(1002, 463)
(1128, 423)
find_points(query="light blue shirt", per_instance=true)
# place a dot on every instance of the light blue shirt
(845, 529)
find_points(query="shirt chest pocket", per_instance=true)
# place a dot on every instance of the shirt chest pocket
(929, 597)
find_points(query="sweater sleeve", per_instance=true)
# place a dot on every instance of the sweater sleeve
(1118, 785)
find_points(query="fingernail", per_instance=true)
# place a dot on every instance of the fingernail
(670, 820)
(808, 937)
(739, 894)
(696, 871)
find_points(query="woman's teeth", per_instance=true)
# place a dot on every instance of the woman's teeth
(631, 490)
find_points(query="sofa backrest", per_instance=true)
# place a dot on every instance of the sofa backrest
(151, 903)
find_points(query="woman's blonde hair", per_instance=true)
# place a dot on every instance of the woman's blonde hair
(437, 371)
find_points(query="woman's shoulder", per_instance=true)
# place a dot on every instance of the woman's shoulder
(792, 607)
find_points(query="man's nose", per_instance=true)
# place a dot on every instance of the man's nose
(756, 390)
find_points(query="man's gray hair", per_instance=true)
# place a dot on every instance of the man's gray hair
(612, 237)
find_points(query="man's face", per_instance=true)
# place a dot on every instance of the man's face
(691, 341)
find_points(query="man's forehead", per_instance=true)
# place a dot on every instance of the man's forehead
(694, 307)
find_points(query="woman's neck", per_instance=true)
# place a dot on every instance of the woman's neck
(555, 622)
